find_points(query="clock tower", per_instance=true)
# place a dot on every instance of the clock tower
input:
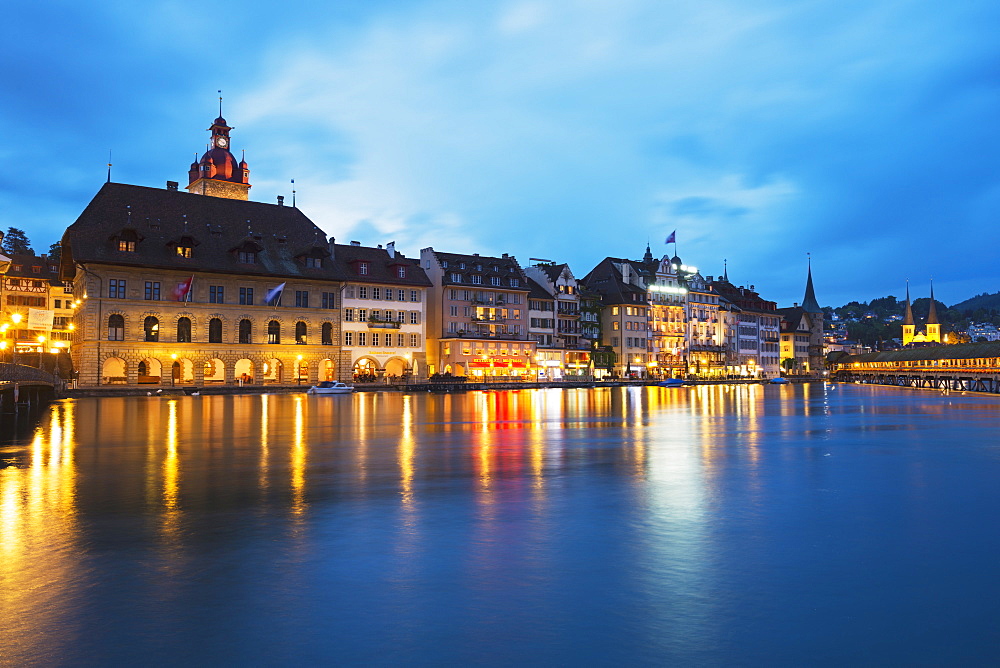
(217, 173)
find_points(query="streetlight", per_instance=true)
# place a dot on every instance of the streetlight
(173, 356)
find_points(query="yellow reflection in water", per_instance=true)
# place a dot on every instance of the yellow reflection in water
(405, 453)
(264, 464)
(298, 458)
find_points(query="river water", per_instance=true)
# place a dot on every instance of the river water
(800, 525)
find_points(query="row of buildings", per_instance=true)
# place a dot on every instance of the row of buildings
(163, 286)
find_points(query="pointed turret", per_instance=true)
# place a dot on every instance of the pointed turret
(932, 318)
(908, 317)
(809, 303)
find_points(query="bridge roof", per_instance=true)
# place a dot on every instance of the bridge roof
(961, 351)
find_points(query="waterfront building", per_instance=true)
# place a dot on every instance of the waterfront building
(37, 307)
(707, 353)
(477, 315)
(383, 308)
(931, 334)
(624, 317)
(802, 344)
(753, 330)
(667, 295)
(568, 344)
(201, 287)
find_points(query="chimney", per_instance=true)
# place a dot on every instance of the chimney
(505, 256)
(380, 246)
(331, 244)
(391, 249)
(281, 200)
(171, 185)
(355, 243)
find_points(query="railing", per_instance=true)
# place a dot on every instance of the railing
(384, 324)
(19, 372)
(486, 335)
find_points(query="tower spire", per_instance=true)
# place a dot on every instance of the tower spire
(725, 270)
(220, 103)
(932, 318)
(809, 303)
(908, 317)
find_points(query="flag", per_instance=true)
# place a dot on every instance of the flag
(183, 290)
(672, 239)
(274, 294)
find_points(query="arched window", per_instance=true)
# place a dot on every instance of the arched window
(116, 327)
(151, 328)
(327, 334)
(300, 333)
(184, 330)
(274, 332)
(143, 370)
(245, 332)
(215, 330)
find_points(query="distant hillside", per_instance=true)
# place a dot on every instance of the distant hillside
(984, 301)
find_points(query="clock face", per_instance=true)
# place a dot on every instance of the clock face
(222, 142)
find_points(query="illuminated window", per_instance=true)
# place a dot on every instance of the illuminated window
(127, 246)
(183, 251)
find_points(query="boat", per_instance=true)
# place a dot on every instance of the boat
(671, 382)
(779, 381)
(330, 387)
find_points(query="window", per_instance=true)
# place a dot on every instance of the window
(414, 295)
(376, 293)
(301, 336)
(116, 288)
(116, 328)
(349, 315)
(362, 315)
(151, 328)
(414, 317)
(127, 246)
(216, 294)
(401, 272)
(388, 294)
(477, 279)
(302, 298)
(246, 329)
(274, 331)
(329, 300)
(494, 280)
(313, 263)
(247, 257)
(401, 295)
(184, 330)
(326, 334)
(414, 340)
(246, 296)
(454, 311)
(183, 251)
(362, 292)
(401, 316)
(363, 268)
(362, 339)
(375, 338)
(58, 303)
(215, 330)
(400, 340)
(376, 314)
(514, 282)
(348, 338)
(456, 278)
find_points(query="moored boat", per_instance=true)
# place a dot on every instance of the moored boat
(330, 387)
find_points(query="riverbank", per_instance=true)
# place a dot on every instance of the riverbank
(123, 391)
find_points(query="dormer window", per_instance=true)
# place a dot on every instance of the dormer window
(461, 265)
(444, 263)
(183, 251)
(363, 268)
(401, 272)
(313, 263)
(456, 278)
(126, 240)
(126, 245)
(246, 257)
(36, 270)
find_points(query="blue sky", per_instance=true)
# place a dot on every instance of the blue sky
(865, 133)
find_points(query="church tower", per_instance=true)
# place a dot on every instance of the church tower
(817, 347)
(217, 173)
(933, 326)
(908, 325)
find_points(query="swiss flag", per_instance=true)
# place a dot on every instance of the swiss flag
(183, 289)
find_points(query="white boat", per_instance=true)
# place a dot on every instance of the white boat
(330, 387)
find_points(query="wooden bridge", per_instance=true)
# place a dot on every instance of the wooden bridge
(970, 367)
(24, 388)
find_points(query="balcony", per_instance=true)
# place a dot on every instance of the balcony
(384, 324)
(480, 318)
(484, 335)
(499, 301)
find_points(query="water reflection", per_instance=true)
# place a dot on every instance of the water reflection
(503, 503)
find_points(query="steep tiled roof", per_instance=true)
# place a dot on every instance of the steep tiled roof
(23, 265)
(156, 219)
(480, 265)
(537, 291)
(606, 280)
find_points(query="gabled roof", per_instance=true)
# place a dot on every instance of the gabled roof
(538, 291)
(963, 351)
(219, 225)
(606, 279)
(382, 268)
(506, 268)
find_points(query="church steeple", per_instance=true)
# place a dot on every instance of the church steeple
(809, 303)
(933, 326)
(908, 325)
(217, 173)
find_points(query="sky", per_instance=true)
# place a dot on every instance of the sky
(864, 133)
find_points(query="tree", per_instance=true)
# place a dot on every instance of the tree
(55, 252)
(16, 242)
